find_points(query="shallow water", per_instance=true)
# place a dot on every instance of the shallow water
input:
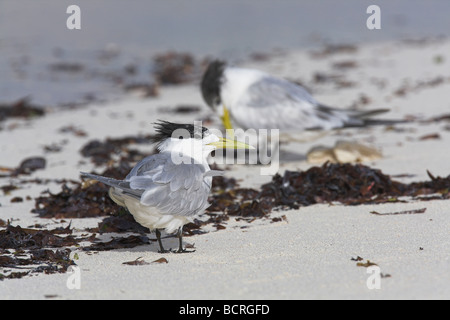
(34, 39)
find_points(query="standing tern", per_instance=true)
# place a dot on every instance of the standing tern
(256, 100)
(165, 190)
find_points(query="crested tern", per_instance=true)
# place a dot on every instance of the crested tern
(257, 100)
(166, 190)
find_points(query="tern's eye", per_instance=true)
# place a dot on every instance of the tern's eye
(216, 101)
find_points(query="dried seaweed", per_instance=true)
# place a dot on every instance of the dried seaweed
(26, 248)
(366, 264)
(118, 243)
(140, 262)
(20, 109)
(137, 262)
(77, 202)
(123, 222)
(26, 167)
(174, 68)
(16, 237)
(415, 211)
(102, 153)
(181, 109)
(81, 200)
(344, 183)
(332, 49)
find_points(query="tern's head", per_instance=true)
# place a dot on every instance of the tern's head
(191, 140)
(211, 82)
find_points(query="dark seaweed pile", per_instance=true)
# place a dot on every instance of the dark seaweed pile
(33, 251)
(103, 152)
(174, 68)
(26, 167)
(81, 200)
(20, 109)
(345, 183)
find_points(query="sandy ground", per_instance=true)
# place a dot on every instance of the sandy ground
(309, 255)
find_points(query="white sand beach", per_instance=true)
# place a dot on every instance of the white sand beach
(311, 253)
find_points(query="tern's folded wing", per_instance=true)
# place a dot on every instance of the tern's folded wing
(171, 188)
(277, 103)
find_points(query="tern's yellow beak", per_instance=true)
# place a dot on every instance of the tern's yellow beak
(226, 119)
(227, 122)
(230, 144)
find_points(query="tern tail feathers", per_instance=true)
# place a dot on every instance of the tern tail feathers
(108, 181)
(358, 118)
(119, 187)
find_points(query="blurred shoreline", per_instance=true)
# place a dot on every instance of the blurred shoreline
(114, 52)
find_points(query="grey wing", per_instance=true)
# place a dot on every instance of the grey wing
(275, 103)
(269, 91)
(180, 189)
(148, 165)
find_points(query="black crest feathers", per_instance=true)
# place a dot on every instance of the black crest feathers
(211, 82)
(166, 129)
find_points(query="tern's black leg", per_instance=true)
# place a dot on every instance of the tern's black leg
(158, 237)
(180, 239)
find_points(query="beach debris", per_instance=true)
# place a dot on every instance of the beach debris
(358, 258)
(143, 89)
(332, 49)
(345, 65)
(140, 262)
(345, 183)
(103, 152)
(8, 188)
(281, 218)
(16, 199)
(75, 202)
(181, 109)
(443, 117)
(348, 184)
(123, 222)
(20, 109)
(26, 167)
(173, 67)
(431, 136)
(30, 250)
(407, 87)
(415, 211)
(366, 264)
(69, 67)
(161, 260)
(343, 152)
(52, 148)
(118, 243)
(30, 165)
(73, 130)
(338, 80)
(137, 262)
